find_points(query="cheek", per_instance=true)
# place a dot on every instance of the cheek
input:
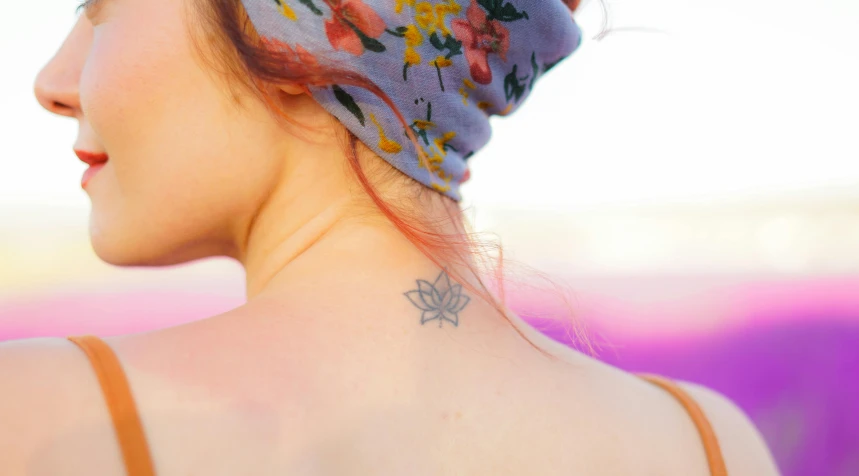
(179, 161)
(135, 91)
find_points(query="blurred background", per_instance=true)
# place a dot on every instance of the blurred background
(694, 183)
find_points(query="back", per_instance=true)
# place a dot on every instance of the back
(577, 416)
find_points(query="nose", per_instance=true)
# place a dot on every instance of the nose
(56, 85)
(56, 91)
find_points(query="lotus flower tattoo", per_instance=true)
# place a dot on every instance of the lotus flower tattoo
(439, 300)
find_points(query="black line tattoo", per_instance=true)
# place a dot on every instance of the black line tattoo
(439, 300)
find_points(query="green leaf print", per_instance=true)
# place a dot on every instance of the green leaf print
(348, 102)
(309, 4)
(371, 44)
(501, 11)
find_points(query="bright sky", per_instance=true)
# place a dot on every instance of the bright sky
(714, 99)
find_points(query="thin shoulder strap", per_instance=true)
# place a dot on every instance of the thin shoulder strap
(708, 436)
(123, 411)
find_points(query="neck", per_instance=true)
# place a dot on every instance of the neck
(274, 246)
(332, 262)
(321, 233)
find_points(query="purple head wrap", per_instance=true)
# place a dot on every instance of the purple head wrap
(447, 65)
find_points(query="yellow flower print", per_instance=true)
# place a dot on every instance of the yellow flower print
(441, 142)
(441, 188)
(432, 162)
(412, 57)
(429, 18)
(287, 11)
(385, 143)
(432, 17)
(484, 105)
(398, 8)
(466, 84)
(442, 10)
(441, 62)
(446, 178)
(425, 16)
(413, 36)
(423, 125)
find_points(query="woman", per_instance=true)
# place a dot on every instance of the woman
(321, 143)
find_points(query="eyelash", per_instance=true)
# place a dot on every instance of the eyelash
(84, 5)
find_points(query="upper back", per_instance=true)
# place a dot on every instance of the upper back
(240, 412)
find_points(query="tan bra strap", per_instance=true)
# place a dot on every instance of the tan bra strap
(123, 411)
(708, 436)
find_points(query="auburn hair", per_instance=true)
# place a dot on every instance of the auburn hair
(259, 65)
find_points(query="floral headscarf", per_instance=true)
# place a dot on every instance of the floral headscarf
(447, 65)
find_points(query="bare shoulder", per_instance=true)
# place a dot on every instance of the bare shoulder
(658, 432)
(742, 445)
(52, 412)
(37, 370)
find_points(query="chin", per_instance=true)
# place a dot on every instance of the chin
(120, 246)
(118, 252)
(133, 249)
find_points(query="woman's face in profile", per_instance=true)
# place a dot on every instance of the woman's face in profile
(187, 167)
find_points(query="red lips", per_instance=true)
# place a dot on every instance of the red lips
(91, 158)
(95, 161)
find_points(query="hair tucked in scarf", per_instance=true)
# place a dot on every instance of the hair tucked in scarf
(251, 63)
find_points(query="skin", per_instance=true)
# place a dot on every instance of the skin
(327, 369)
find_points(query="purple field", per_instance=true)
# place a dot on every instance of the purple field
(799, 382)
(785, 350)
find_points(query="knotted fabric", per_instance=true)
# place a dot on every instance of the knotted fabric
(447, 66)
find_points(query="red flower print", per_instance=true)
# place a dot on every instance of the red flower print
(350, 20)
(466, 177)
(480, 37)
(305, 57)
(298, 57)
